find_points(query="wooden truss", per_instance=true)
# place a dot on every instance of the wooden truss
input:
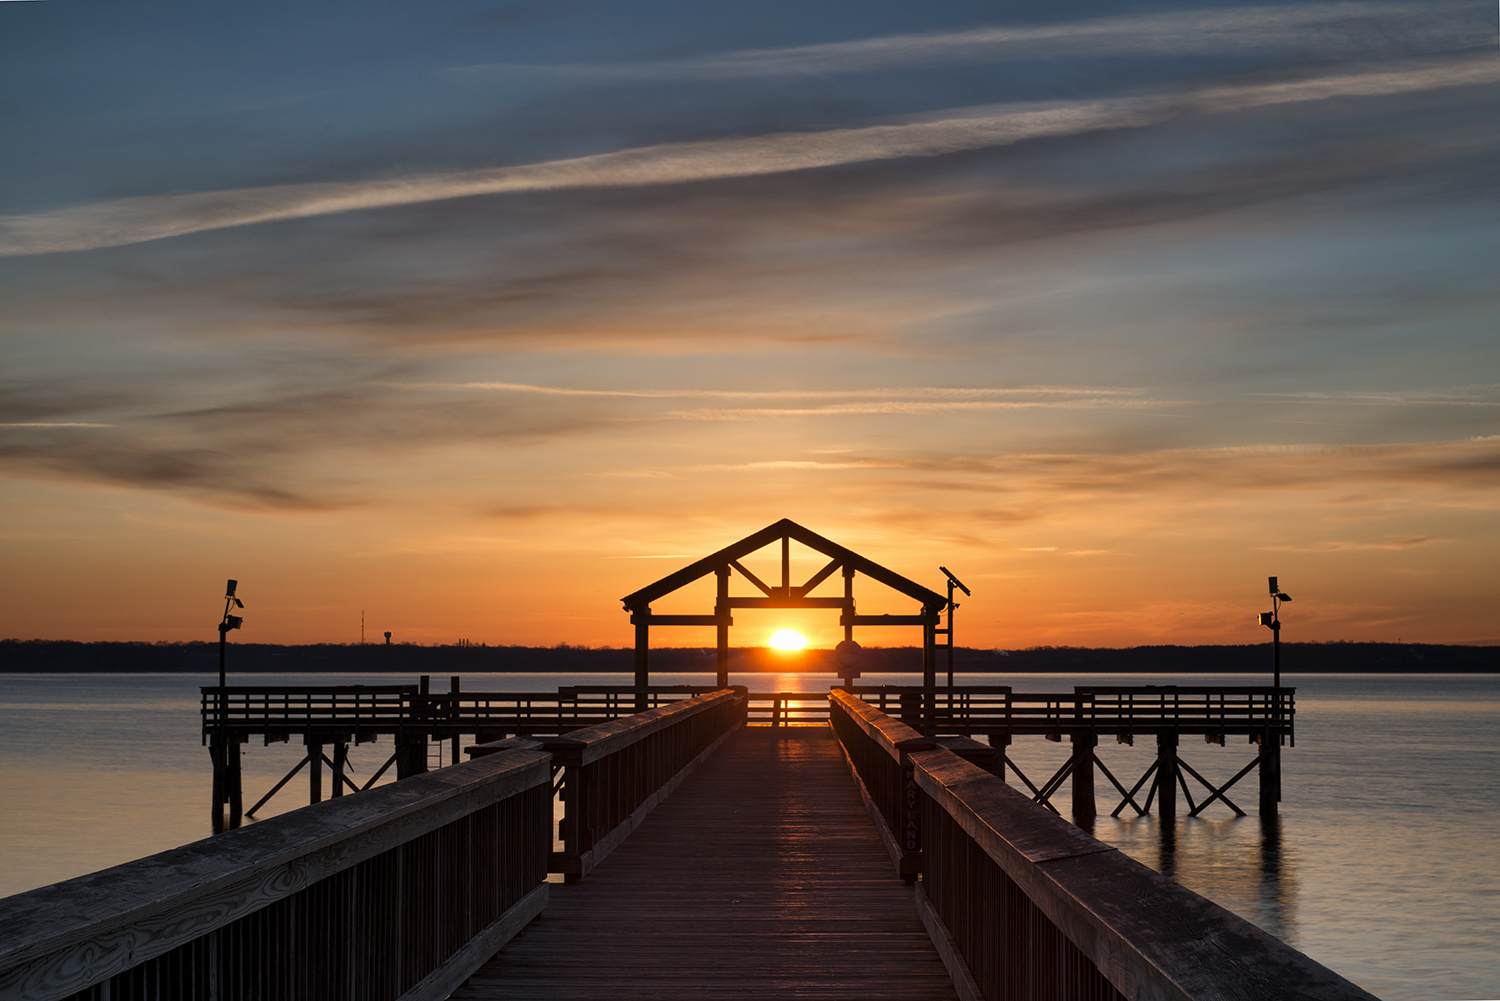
(726, 563)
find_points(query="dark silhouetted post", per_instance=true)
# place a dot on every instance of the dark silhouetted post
(721, 612)
(1270, 744)
(642, 662)
(952, 605)
(1084, 810)
(228, 622)
(314, 769)
(453, 711)
(1166, 776)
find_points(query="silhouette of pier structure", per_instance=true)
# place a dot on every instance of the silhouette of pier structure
(418, 720)
(591, 848)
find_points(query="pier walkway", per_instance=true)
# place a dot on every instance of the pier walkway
(760, 876)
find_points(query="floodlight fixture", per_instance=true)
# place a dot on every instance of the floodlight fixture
(1272, 621)
(228, 622)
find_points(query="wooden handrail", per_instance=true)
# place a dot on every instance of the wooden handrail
(615, 773)
(609, 737)
(1052, 904)
(190, 908)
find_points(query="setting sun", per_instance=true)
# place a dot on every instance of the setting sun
(787, 639)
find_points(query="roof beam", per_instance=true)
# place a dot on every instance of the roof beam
(764, 587)
(818, 577)
(785, 528)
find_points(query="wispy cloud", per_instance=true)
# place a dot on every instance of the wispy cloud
(135, 220)
(1347, 547)
(899, 392)
(1462, 396)
(907, 407)
(1323, 28)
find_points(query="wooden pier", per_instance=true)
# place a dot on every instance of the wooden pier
(699, 856)
(417, 721)
(779, 887)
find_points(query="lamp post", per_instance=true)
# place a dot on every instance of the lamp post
(228, 622)
(1270, 745)
(952, 583)
(1272, 621)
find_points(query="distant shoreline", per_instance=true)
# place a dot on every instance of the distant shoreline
(69, 657)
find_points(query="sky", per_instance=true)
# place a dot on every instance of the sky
(470, 318)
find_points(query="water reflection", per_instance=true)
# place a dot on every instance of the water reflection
(1242, 863)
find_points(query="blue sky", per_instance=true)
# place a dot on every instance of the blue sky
(1124, 305)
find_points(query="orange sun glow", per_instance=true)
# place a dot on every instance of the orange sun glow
(787, 639)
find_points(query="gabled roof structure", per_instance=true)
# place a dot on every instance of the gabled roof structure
(785, 530)
(726, 562)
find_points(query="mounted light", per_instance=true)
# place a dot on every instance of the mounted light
(229, 588)
(1265, 618)
(233, 621)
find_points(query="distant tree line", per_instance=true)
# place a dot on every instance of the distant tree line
(42, 656)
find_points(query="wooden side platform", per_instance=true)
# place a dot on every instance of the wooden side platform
(760, 877)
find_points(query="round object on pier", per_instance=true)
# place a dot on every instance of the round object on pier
(849, 653)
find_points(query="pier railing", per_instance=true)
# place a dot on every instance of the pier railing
(1136, 709)
(879, 752)
(397, 893)
(1024, 906)
(615, 773)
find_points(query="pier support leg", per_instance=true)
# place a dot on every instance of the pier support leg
(1002, 741)
(1270, 772)
(233, 787)
(314, 769)
(411, 755)
(1084, 810)
(340, 760)
(453, 709)
(216, 746)
(1166, 777)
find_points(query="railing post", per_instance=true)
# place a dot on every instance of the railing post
(910, 834)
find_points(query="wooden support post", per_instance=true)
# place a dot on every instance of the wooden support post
(1084, 810)
(1270, 771)
(453, 684)
(721, 609)
(1166, 776)
(411, 755)
(340, 761)
(315, 769)
(929, 673)
(216, 754)
(233, 782)
(1002, 741)
(849, 600)
(642, 663)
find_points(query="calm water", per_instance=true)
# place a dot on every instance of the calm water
(1383, 864)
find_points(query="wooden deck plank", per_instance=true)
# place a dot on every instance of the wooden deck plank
(761, 876)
